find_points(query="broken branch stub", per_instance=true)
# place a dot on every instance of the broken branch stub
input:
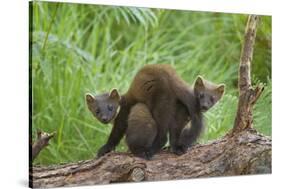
(41, 142)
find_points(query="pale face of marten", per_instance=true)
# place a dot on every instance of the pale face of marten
(104, 107)
(207, 93)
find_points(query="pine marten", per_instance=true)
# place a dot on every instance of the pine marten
(142, 128)
(207, 95)
(160, 94)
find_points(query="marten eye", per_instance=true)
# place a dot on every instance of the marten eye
(201, 95)
(212, 99)
(97, 111)
(110, 107)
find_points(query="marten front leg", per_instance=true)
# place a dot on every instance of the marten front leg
(119, 128)
(174, 134)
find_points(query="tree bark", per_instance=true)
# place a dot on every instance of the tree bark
(242, 151)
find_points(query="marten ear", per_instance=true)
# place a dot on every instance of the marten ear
(90, 98)
(220, 89)
(199, 83)
(114, 94)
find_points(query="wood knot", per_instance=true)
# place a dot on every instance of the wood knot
(137, 174)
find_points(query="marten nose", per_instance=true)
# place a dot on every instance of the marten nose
(104, 118)
(204, 107)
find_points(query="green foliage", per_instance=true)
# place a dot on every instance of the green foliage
(86, 48)
(263, 110)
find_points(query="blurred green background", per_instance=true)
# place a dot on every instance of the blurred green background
(90, 48)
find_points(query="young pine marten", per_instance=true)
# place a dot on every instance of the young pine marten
(142, 128)
(164, 102)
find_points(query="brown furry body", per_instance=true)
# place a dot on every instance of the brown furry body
(143, 127)
(162, 102)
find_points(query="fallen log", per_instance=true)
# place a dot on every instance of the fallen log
(247, 152)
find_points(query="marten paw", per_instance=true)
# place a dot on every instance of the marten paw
(104, 150)
(148, 155)
(144, 155)
(178, 150)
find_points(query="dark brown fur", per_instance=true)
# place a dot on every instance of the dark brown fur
(160, 89)
(141, 130)
(207, 95)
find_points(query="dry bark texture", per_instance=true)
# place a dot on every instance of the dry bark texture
(242, 151)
